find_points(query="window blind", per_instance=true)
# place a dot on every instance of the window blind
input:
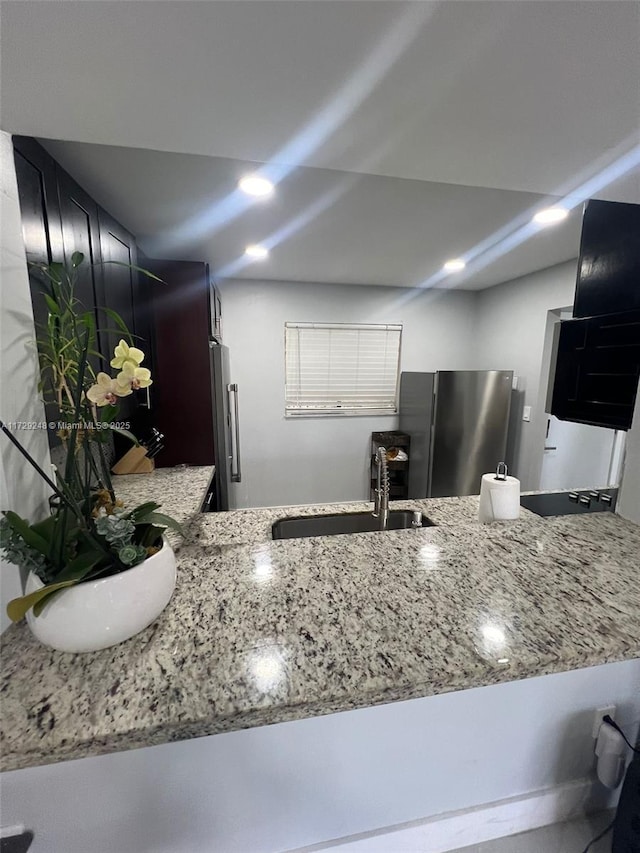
(339, 369)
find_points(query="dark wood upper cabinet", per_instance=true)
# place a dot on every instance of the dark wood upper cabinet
(609, 266)
(597, 370)
(40, 212)
(115, 290)
(116, 283)
(183, 409)
(597, 354)
(37, 184)
(60, 218)
(41, 227)
(144, 289)
(80, 233)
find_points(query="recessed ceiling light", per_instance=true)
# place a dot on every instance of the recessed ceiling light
(550, 215)
(255, 185)
(257, 252)
(454, 265)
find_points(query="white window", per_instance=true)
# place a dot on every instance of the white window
(341, 369)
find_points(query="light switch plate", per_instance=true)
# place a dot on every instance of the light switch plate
(526, 414)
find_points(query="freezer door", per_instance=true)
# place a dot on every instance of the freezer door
(221, 423)
(470, 424)
(416, 412)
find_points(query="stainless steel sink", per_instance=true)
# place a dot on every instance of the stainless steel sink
(344, 522)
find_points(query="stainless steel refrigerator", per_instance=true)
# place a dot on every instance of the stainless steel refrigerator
(458, 422)
(226, 430)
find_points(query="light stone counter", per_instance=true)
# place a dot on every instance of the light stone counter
(179, 491)
(245, 526)
(262, 631)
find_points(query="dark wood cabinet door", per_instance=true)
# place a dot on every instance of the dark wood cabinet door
(79, 214)
(116, 284)
(38, 194)
(597, 370)
(183, 391)
(116, 289)
(144, 289)
(41, 229)
(40, 212)
(609, 267)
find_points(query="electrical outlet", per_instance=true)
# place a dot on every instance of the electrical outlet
(599, 714)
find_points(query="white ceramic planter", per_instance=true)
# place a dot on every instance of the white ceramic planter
(101, 613)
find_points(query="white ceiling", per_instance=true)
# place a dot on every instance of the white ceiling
(527, 96)
(321, 225)
(479, 104)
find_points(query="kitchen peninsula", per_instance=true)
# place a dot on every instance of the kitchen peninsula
(261, 632)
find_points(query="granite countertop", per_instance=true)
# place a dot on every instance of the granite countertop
(263, 631)
(179, 491)
(245, 526)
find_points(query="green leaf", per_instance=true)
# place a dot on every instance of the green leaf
(51, 325)
(17, 608)
(163, 520)
(45, 278)
(76, 259)
(55, 271)
(45, 528)
(52, 305)
(147, 534)
(48, 530)
(88, 320)
(39, 606)
(117, 319)
(107, 413)
(81, 565)
(126, 434)
(134, 267)
(144, 509)
(68, 474)
(121, 332)
(27, 534)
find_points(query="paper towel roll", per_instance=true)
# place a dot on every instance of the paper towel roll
(499, 498)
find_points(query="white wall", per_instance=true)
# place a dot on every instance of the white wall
(510, 334)
(582, 457)
(306, 460)
(21, 489)
(326, 459)
(629, 498)
(280, 787)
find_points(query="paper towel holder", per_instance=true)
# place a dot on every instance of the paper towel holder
(501, 471)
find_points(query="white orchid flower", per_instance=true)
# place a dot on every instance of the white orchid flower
(134, 376)
(107, 390)
(123, 353)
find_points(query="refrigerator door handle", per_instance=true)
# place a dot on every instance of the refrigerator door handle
(234, 440)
